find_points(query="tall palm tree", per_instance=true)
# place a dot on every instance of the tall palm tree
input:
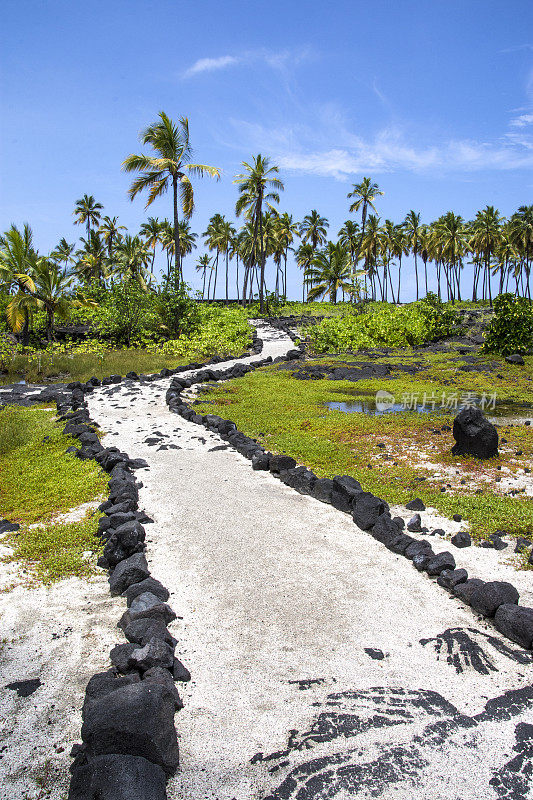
(304, 256)
(93, 262)
(169, 167)
(63, 252)
(258, 185)
(412, 232)
(202, 265)
(151, 231)
(87, 212)
(451, 244)
(485, 240)
(286, 230)
(522, 235)
(364, 193)
(330, 270)
(314, 229)
(133, 258)
(110, 231)
(214, 241)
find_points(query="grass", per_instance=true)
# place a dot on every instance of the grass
(289, 416)
(64, 367)
(38, 482)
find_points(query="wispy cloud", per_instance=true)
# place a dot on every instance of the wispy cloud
(210, 65)
(516, 48)
(522, 121)
(277, 60)
(332, 150)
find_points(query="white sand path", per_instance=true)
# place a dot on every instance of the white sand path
(272, 589)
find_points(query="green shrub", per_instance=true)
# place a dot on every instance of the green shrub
(511, 329)
(392, 327)
(178, 312)
(441, 317)
(125, 314)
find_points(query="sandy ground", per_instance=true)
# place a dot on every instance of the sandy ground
(323, 665)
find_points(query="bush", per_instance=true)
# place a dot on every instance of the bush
(179, 314)
(125, 314)
(441, 318)
(392, 327)
(511, 329)
(220, 330)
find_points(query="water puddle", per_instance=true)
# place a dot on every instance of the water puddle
(502, 413)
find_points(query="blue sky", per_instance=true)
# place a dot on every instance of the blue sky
(434, 100)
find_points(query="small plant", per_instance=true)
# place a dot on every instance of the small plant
(511, 330)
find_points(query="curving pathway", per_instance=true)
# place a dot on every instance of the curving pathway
(323, 666)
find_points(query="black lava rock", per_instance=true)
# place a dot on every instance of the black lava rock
(416, 505)
(439, 563)
(487, 598)
(461, 539)
(322, 490)
(415, 524)
(450, 578)
(474, 435)
(515, 622)
(136, 720)
(146, 585)
(280, 463)
(366, 509)
(118, 777)
(515, 358)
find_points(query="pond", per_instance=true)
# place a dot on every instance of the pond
(385, 403)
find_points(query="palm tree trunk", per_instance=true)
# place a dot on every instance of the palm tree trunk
(262, 259)
(216, 274)
(237, 278)
(227, 276)
(203, 286)
(416, 275)
(176, 234)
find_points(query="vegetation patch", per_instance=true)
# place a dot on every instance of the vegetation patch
(40, 481)
(395, 456)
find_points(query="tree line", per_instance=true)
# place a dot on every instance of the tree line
(366, 259)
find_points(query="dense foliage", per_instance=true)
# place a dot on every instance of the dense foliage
(390, 326)
(511, 330)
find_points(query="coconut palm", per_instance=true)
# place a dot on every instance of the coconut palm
(258, 185)
(412, 232)
(314, 229)
(485, 240)
(18, 258)
(170, 166)
(202, 265)
(151, 231)
(364, 194)
(304, 256)
(521, 224)
(329, 271)
(110, 232)
(133, 259)
(63, 252)
(93, 262)
(87, 212)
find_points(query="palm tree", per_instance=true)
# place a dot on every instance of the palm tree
(18, 259)
(364, 193)
(133, 258)
(87, 212)
(450, 240)
(214, 240)
(486, 237)
(109, 229)
(151, 231)
(371, 250)
(93, 263)
(170, 166)
(304, 256)
(330, 270)
(314, 229)
(202, 265)
(254, 190)
(412, 231)
(63, 252)
(522, 235)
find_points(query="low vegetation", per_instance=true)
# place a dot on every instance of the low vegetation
(39, 482)
(398, 455)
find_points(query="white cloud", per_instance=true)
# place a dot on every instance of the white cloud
(330, 150)
(279, 60)
(522, 121)
(210, 65)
